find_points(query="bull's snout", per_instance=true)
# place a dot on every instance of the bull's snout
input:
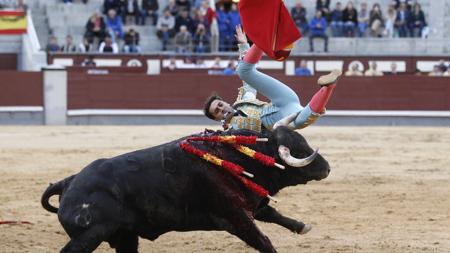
(324, 173)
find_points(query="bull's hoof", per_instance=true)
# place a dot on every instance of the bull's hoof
(305, 229)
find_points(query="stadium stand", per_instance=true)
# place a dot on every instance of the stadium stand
(53, 17)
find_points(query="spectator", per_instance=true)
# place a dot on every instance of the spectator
(363, 19)
(235, 20)
(89, 62)
(393, 71)
(114, 25)
(183, 40)
(165, 28)
(172, 64)
(68, 47)
(21, 6)
(336, 20)
(200, 63)
(108, 46)
(298, 13)
(184, 19)
(70, 1)
(401, 21)
(172, 7)
(408, 3)
(446, 73)
(129, 8)
(318, 27)
(373, 71)
(5, 4)
(95, 29)
(183, 5)
(417, 72)
(436, 71)
(376, 21)
(354, 70)
(149, 9)
(324, 6)
(200, 19)
(417, 21)
(131, 40)
(201, 40)
(442, 66)
(85, 46)
(349, 17)
(110, 4)
(225, 30)
(390, 21)
(13, 4)
(230, 69)
(216, 64)
(303, 69)
(52, 46)
(207, 12)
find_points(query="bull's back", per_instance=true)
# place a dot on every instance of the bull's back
(146, 179)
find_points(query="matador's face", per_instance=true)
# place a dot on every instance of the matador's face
(219, 109)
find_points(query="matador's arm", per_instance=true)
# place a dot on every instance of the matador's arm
(246, 92)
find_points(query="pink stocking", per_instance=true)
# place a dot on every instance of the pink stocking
(253, 55)
(320, 99)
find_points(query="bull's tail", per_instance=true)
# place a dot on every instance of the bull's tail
(54, 189)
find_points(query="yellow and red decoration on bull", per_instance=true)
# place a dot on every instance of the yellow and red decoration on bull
(234, 169)
(260, 157)
(13, 22)
(230, 139)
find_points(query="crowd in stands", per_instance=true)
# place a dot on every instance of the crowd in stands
(440, 69)
(401, 18)
(13, 4)
(214, 67)
(356, 69)
(185, 26)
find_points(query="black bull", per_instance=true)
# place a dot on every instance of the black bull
(152, 191)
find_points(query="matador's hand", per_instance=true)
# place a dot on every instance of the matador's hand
(240, 35)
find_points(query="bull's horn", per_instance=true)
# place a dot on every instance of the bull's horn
(285, 155)
(286, 121)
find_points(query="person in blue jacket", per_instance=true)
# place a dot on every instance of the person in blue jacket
(318, 28)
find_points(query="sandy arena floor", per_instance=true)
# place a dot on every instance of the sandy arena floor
(388, 191)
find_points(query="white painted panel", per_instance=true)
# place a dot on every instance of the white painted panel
(270, 65)
(55, 96)
(153, 67)
(427, 66)
(108, 62)
(323, 66)
(63, 62)
(290, 68)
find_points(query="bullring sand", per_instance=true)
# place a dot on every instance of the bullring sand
(388, 191)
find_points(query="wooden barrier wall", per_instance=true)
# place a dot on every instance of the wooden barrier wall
(21, 88)
(8, 61)
(188, 91)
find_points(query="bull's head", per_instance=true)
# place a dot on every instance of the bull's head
(303, 163)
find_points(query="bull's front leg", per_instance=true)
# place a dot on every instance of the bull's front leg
(269, 214)
(240, 223)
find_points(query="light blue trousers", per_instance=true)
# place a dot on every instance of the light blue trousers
(282, 97)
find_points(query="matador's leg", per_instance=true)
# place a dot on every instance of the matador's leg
(277, 92)
(316, 106)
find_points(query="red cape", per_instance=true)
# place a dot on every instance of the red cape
(270, 26)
